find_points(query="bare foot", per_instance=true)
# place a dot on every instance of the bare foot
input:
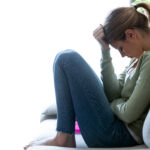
(61, 139)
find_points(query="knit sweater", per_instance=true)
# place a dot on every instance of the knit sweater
(129, 94)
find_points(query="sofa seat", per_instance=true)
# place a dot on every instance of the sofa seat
(48, 128)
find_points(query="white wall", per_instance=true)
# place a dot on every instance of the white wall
(32, 32)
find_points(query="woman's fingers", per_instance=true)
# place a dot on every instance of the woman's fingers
(98, 31)
(99, 35)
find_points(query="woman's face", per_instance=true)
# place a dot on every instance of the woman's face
(128, 49)
(131, 47)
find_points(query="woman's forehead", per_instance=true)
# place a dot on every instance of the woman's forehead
(115, 44)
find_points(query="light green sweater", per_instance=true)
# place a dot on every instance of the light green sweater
(129, 94)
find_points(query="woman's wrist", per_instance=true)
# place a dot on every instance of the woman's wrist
(105, 48)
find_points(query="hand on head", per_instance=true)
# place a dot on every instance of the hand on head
(98, 33)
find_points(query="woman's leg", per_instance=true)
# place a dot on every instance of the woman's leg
(80, 94)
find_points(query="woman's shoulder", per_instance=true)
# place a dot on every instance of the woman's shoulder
(144, 61)
(145, 57)
(146, 53)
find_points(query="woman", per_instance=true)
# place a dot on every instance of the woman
(110, 111)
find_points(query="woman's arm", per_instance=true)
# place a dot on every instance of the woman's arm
(112, 84)
(139, 101)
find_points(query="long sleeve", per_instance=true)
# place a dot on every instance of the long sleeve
(112, 85)
(131, 108)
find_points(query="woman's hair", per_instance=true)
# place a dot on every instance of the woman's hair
(124, 18)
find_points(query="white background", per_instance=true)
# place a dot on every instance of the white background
(32, 32)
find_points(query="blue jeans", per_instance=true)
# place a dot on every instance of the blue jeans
(80, 95)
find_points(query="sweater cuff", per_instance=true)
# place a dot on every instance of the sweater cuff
(106, 54)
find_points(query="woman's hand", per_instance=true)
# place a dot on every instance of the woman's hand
(99, 36)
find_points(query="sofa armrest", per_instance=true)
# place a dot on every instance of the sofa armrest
(146, 130)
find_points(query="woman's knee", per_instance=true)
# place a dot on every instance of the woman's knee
(65, 56)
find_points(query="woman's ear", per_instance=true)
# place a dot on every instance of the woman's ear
(130, 34)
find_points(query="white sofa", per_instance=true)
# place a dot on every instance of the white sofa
(48, 128)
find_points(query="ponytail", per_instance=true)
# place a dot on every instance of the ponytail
(145, 6)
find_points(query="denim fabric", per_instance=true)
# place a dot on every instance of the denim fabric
(80, 94)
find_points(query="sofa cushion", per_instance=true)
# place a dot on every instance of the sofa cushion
(63, 148)
(49, 113)
(50, 110)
